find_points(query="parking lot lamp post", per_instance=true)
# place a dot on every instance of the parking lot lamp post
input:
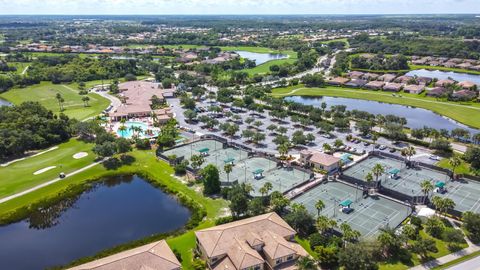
(334, 207)
(356, 191)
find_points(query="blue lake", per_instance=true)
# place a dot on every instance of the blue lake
(445, 75)
(261, 58)
(115, 211)
(416, 117)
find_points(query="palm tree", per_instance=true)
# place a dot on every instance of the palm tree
(60, 101)
(426, 187)
(85, 100)
(448, 204)
(325, 224)
(454, 162)
(266, 188)
(408, 152)
(283, 149)
(374, 139)
(228, 169)
(326, 147)
(369, 179)
(438, 203)
(305, 263)
(248, 188)
(349, 235)
(122, 129)
(378, 170)
(319, 205)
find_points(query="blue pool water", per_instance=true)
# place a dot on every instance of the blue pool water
(128, 133)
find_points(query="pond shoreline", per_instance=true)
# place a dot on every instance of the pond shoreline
(197, 212)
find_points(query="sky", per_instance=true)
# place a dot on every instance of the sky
(134, 7)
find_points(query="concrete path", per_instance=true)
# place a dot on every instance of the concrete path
(11, 197)
(472, 264)
(453, 256)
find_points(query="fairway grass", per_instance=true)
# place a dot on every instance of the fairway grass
(19, 176)
(45, 93)
(149, 166)
(462, 112)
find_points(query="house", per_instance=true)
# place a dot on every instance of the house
(157, 255)
(387, 77)
(370, 76)
(476, 68)
(464, 65)
(374, 85)
(444, 83)
(393, 87)
(437, 92)
(256, 243)
(338, 81)
(467, 85)
(464, 95)
(355, 74)
(414, 89)
(404, 79)
(319, 160)
(357, 83)
(424, 80)
(449, 64)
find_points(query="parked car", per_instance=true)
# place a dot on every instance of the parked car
(377, 146)
(392, 150)
(366, 143)
(433, 157)
(382, 147)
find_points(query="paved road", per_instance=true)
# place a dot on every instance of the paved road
(473, 264)
(11, 197)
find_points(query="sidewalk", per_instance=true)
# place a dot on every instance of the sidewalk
(450, 257)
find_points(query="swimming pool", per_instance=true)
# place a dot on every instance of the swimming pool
(129, 131)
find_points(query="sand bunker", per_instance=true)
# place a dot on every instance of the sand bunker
(44, 170)
(80, 155)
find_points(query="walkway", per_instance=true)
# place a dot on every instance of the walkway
(11, 197)
(453, 256)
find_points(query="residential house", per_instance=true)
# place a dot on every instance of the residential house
(414, 88)
(444, 83)
(387, 77)
(356, 83)
(437, 92)
(157, 255)
(404, 79)
(467, 85)
(374, 85)
(464, 95)
(464, 65)
(256, 243)
(319, 160)
(424, 80)
(393, 87)
(370, 76)
(338, 81)
(355, 74)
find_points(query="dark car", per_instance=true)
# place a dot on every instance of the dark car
(392, 150)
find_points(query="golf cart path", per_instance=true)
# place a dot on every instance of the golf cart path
(16, 195)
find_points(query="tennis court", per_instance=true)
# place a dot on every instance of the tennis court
(407, 181)
(257, 171)
(464, 193)
(368, 216)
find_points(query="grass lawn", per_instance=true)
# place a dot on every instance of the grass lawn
(464, 167)
(459, 111)
(45, 93)
(146, 163)
(19, 176)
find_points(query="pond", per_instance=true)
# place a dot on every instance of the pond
(261, 58)
(3, 102)
(117, 210)
(416, 117)
(445, 75)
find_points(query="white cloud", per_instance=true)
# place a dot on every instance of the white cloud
(236, 6)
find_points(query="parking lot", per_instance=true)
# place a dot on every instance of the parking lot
(464, 193)
(369, 214)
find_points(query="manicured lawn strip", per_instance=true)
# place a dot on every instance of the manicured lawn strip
(459, 70)
(461, 112)
(146, 164)
(45, 93)
(458, 261)
(464, 167)
(19, 176)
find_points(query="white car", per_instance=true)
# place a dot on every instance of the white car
(382, 147)
(433, 157)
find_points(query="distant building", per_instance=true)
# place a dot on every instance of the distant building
(156, 256)
(374, 85)
(356, 83)
(393, 87)
(256, 243)
(467, 85)
(387, 77)
(338, 81)
(355, 74)
(444, 83)
(437, 92)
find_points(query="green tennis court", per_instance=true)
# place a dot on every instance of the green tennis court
(368, 216)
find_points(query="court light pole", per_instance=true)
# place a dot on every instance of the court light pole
(356, 191)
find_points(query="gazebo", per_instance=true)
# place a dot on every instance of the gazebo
(258, 174)
(440, 187)
(394, 173)
(204, 151)
(346, 206)
(229, 161)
